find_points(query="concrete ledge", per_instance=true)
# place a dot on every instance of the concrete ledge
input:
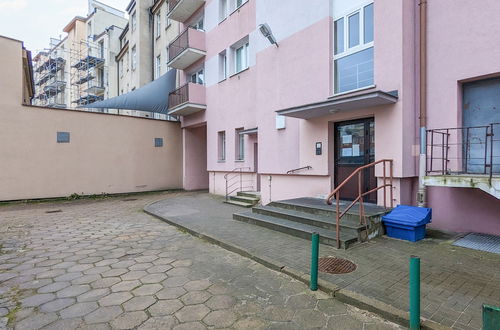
(352, 298)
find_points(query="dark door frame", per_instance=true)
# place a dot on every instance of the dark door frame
(366, 160)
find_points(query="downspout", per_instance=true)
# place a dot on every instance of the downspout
(421, 194)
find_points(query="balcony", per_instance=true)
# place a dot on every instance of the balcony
(186, 49)
(186, 100)
(181, 10)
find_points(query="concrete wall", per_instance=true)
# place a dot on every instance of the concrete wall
(106, 153)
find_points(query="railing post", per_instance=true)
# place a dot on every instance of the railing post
(313, 285)
(241, 179)
(360, 197)
(392, 187)
(226, 188)
(414, 293)
(385, 185)
(492, 136)
(337, 196)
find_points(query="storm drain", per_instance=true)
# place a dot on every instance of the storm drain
(332, 265)
(481, 242)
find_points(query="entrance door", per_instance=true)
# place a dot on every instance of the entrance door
(355, 147)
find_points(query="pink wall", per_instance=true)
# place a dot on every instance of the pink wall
(195, 175)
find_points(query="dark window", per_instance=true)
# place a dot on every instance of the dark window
(158, 142)
(62, 137)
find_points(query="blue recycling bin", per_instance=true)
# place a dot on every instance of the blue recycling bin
(407, 222)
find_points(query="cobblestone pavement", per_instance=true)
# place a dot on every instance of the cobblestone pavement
(455, 281)
(106, 264)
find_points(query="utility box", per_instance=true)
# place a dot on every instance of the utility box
(407, 222)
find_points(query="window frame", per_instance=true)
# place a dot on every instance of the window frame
(134, 58)
(133, 20)
(361, 46)
(158, 25)
(244, 65)
(239, 142)
(158, 66)
(221, 146)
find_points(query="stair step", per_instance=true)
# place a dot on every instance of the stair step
(296, 229)
(310, 219)
(243, 204)
(245, 199)
(255, 194)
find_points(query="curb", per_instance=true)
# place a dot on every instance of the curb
(387, 311)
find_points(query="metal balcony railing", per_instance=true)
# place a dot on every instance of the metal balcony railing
(179, 44)
(179, 96)
(172, 4)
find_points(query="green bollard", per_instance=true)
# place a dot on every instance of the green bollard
(414, 293)
(314, 262)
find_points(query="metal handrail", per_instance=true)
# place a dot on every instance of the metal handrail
(336, 193)
(237, 172)
(298, 169)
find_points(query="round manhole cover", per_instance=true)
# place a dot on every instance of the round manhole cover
(332, 265)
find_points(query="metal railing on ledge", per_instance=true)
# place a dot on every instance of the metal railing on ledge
(464, 150)
(179, 44)
(235, 182)
(387, 183)
(178, 96)
(299, 169)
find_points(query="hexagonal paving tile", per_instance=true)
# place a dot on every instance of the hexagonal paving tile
(197, 285)
(139, 303)
(126, 286)
(171, 293)
(114, 299)
(73, 291)
(93, 295)
(114, 272)
(220, 319)
(175, 281)
(195, 297)
(159, 269)
(153, 278)
(220, 302)
(129, 320)
(103, 314)
(37, 300)
(105, 282)
(133, 275)
(78, 310)
(57, 305)
(192, 313)
(165, 307)
(141, 266)
(160, 322)
(53, 287)
(147, 289)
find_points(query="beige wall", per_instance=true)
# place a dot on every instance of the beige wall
(106, 153)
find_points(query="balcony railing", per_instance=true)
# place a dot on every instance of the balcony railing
(464, 150)
(187, 99)
(181, 10)
(178, 97)
(186, 49)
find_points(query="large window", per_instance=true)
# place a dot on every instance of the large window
(158, 25)
(221, 136)
(241, 58)
(134, 58)
(158, 66)
(133, 21)
(353, 50)
(197, 77)
(240, 144)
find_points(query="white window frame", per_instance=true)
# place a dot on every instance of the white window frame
(196, 74)
(244, 62)
(158, 67)
(356, 49)
(133, 21)
(223, 66)
(240, 145)
(158, 25)
(221, 143)
(168, 21)
(223, 12)
(134, 58)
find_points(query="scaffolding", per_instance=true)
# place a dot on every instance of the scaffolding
(88, 73)
(50, 79)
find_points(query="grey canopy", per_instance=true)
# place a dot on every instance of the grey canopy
(151, 97)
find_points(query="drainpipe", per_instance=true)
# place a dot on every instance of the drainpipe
(421, 194)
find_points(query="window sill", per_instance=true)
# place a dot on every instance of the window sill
(352, 91)
(238, 8)
(222, 80)
(237, 73)
(221, 161)
(239, 160)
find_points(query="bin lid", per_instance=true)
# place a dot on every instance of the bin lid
(409, 215)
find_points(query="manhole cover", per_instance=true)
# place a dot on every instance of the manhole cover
(336, 265)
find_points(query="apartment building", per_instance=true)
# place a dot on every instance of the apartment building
(296, 98)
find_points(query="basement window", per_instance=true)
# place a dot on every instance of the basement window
(62, 137)
(158, 142)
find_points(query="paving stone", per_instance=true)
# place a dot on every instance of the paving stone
(96, 270)
(220, 319)
(341, 322)
(153, 278)
(73, 291)
(79, 268)
(123, 264)
(86, 279)
(64, 324)
(36, 321)
(141, 266)
(310, 318)
(170, 293)
(195, 297)
(78, 310)
(105, 282)
(93, 295)
(160, 322)
(107, 262)
(165, 307)
(114, 299)
(175, 281)
(68, 277)
(64, 265)
(114, 272)
(53, 287)
(197, 285)
(139, 303)
(37, 300)
(57, 305)
(251, 323)
(192, 313)
(158, 269)
(126, 286)
(129, 320)
(147, 289)
(178, 271)
(146, 259)
(331, 307)
(133, 275)
(103, 314)
(301, 301)
(190, 326)
(220, 302)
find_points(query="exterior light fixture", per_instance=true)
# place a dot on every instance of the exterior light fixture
(266, 32)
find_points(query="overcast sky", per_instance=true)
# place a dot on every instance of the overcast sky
(35, 21)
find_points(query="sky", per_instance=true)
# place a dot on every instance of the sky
(35, 21)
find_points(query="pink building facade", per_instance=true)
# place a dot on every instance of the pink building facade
(334, 87)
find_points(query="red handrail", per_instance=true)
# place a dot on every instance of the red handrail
(336, 193)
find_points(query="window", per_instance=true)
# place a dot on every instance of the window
(133, 21)
(158, 66)
(101, 48)
(198, 25)
(239, 3)
(240, 144)
(241, 58)
(158, 25)
(197, 77)
(62, 137)
(221, 136)
(158, 142)
(353, 50)
(168, 22)
(222, 66)
(121, 67)
(222, 10)
(134, 58)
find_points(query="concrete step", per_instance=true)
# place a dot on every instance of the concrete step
(255, 194)
(245, 199)
(296, 229)
(348, 226)
(243, 204)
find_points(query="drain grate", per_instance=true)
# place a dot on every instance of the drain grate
(332, 265)
(53, 211)
(129, 199)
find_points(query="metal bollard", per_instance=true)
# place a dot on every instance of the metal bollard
(314, 262)
(414, 293)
